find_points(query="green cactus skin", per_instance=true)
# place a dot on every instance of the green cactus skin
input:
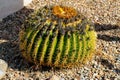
(57, 42)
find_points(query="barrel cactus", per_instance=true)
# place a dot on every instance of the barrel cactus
(57, 36)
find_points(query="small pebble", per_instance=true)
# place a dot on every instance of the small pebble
(62, 79)
(54, 77)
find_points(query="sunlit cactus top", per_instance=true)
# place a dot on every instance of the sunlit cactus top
(64, 11)
(57, 36)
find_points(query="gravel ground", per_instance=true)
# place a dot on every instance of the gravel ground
(105, 65)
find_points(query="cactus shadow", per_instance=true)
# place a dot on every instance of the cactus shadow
(9, 45)
(108, 38)
(9, 50)
(106, 27)
(109, 65)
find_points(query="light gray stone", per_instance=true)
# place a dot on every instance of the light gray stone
(3, 68)
(54, 77)
(10, 6)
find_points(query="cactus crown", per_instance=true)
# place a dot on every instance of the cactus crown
(64, 11)
(57, 36)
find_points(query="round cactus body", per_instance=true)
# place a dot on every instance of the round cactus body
(57, 36)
